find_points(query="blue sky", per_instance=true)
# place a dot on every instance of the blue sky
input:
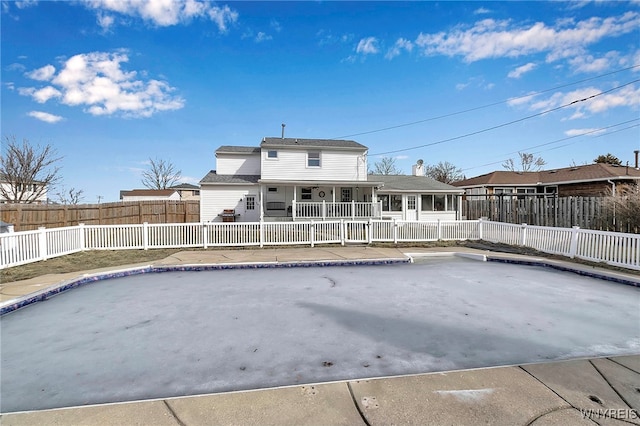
(112, 83)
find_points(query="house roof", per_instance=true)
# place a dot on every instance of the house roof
(230, 149)
(404, 183)
(148, 193)
(213, 178)
(185, 186)
(566, 175)
(311, 143)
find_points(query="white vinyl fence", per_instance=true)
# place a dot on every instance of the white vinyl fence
(20, 248)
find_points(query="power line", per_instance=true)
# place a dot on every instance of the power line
(507, 123)
(562, 140)
(413, 123)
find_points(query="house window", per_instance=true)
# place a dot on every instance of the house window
(391, 203)
(272, 154)
(522, 191)
(305, 194)
(250, 202)
(451, 202)
(411, 202)
(346, 195)
(427, 203)
(313, 159)
(272, 189)
(439, 202)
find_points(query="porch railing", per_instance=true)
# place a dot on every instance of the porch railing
(329, 210)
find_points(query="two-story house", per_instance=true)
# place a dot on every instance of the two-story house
(295, 179)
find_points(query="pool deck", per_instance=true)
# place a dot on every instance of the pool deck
(577, 392)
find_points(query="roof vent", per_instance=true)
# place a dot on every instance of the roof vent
(283, 126)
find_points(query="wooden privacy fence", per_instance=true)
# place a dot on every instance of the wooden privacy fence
(27, 217)
(19, 248)
(585, 212)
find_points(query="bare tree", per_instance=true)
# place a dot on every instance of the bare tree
(27, 171)
(72, 196)
(444, 172)
(386, 166)
(608, 159)
(160, 175)
(528, 163)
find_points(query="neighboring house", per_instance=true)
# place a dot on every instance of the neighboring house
(10, 192)
(187, 191)
(149, 195)
(592, 180)
(294, 179)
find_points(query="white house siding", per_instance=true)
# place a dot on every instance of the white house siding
(434, 216)
(214, 199)
(238, 164)
(42, 198)
(334, 165)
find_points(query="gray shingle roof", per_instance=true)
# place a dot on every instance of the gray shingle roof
(230, 149)
(213, 177)
(311, 143)
(411, 183)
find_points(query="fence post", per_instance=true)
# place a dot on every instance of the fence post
(42, 243)
(262, 233)
(395, 231)
(342, 231)
(353, 209)
(439, 228)
(523, 236)
(369, 231)
(573, 248)
(293, 210)
(205, 234)
(145, 235)
(83, 244)
(480, 228)
(312, 230)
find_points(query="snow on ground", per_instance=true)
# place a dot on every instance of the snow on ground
(183, 333)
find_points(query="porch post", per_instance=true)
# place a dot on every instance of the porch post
(261, 202)
(293, 203)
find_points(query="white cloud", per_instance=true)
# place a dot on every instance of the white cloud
(401, 157)
(400, 45)
(262, 37)
(521, 100)
(587, 63)
(45, 116)
(585, 105)
(275, 25)
(97, 81)
(496, 39)
(42, 74)
(26, 3)
(518, 72)
(162, 12)
(578, 132)
(367, 46)
(481, 11)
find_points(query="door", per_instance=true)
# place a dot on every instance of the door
(251, 210)
(412, 211)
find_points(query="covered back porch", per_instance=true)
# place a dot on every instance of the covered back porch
(319, 200)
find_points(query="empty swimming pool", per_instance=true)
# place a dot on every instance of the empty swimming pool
(182, 333)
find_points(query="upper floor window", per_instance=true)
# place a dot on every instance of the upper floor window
(313, 159)
(272, 153)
